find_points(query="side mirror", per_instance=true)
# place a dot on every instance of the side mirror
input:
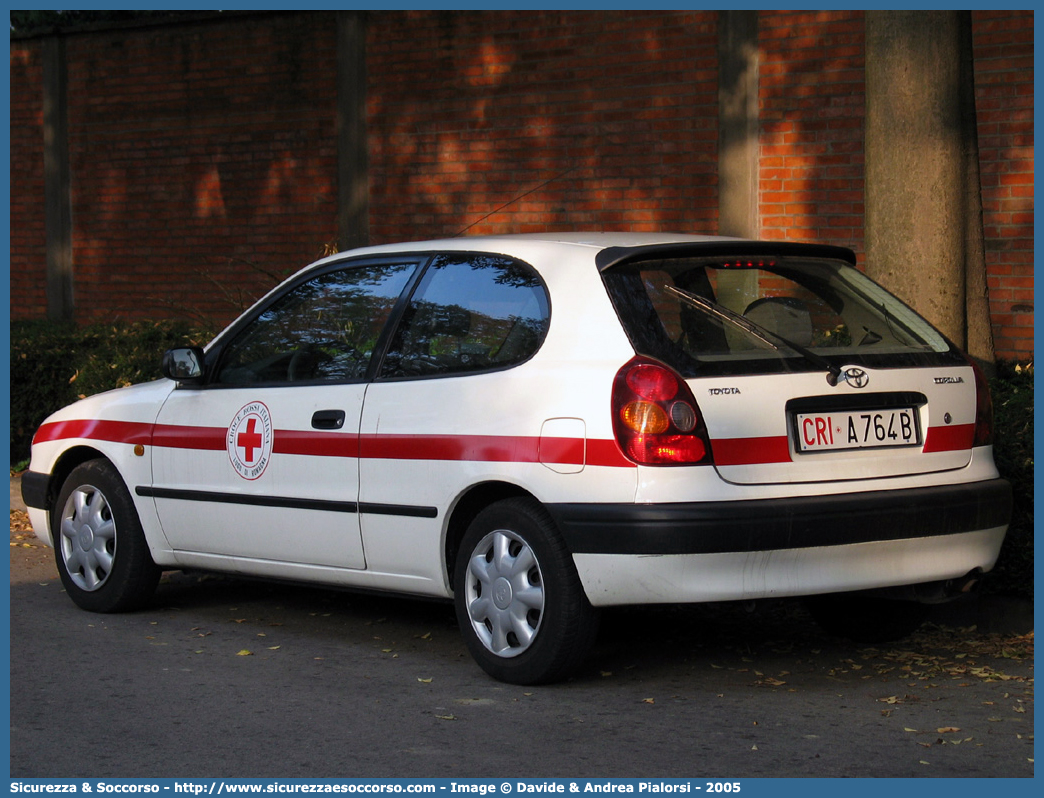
(184, 364)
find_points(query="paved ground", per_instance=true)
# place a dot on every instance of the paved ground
(16, 494)
(224, 677)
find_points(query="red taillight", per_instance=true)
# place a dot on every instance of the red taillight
(983, 409)
(655, 417)
(665, 449)
(651, 381)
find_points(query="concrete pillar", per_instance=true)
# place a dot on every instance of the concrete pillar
(353, 194)
(57, 197)
(738, 123)
(915, 169)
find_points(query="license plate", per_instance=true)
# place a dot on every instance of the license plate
(863, 429)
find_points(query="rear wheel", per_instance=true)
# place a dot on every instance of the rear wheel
(519, 601)
(867, 619)
(101, 552)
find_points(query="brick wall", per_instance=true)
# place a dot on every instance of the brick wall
(204, 164)
(1003, 42)
(578, 120)
(812, 113)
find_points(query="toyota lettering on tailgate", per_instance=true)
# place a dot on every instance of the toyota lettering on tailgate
(864, 429)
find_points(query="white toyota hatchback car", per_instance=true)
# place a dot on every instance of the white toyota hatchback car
(540, 426)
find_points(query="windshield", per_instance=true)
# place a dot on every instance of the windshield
(766, 315)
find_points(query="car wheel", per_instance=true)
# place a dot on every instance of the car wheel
(101, 552)
(519, 601)
(867, 619)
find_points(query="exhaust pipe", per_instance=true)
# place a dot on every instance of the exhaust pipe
(934, 592)
(969, 583)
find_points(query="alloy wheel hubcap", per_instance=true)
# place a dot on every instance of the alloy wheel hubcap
(88, 538)
(505, 593)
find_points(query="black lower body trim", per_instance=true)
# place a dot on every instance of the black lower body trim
(247, 499)
(287, 502)
(405, 510)
(790, 523)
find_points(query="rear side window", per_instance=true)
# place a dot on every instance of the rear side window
(470, 312)
(708, 316)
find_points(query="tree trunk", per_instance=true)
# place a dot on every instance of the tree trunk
(923, 207)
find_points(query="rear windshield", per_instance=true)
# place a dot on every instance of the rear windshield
(706, 316)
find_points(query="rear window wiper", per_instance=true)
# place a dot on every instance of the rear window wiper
(763, 334)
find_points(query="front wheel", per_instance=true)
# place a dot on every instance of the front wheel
(101, 552)
(519, 601)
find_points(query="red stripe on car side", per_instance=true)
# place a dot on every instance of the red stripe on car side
(606, 453)
(757, 451)
(562, 450)
(170, 436)
(493, 449)
(483, 448)
(488, 448)
(750, 451)
(95, 429)
(949, 439)
(480, 448)
(317, 444)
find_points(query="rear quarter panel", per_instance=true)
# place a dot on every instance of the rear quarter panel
(543, 426)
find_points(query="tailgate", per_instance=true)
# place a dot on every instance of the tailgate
(787, 428)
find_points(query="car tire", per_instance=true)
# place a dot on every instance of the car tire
(520, 605)
(99, 546)
(867, 619)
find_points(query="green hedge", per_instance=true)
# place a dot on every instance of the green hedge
(52, 365)
(1012, 391)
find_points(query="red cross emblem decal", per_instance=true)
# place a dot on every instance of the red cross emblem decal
(249, 440)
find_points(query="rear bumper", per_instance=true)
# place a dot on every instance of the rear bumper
(724, 551)
(778, 524)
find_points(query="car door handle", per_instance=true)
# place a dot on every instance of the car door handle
(328, 419)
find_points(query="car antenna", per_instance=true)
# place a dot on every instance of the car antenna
(516, 199)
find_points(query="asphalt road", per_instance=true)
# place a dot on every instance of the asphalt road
(229, 678)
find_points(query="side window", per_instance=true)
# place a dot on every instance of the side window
(325, 329)
(469, 313)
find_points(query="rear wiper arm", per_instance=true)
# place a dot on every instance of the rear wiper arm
(764, 335)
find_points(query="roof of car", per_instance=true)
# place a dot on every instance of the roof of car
(612, 247)
(498, 243)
